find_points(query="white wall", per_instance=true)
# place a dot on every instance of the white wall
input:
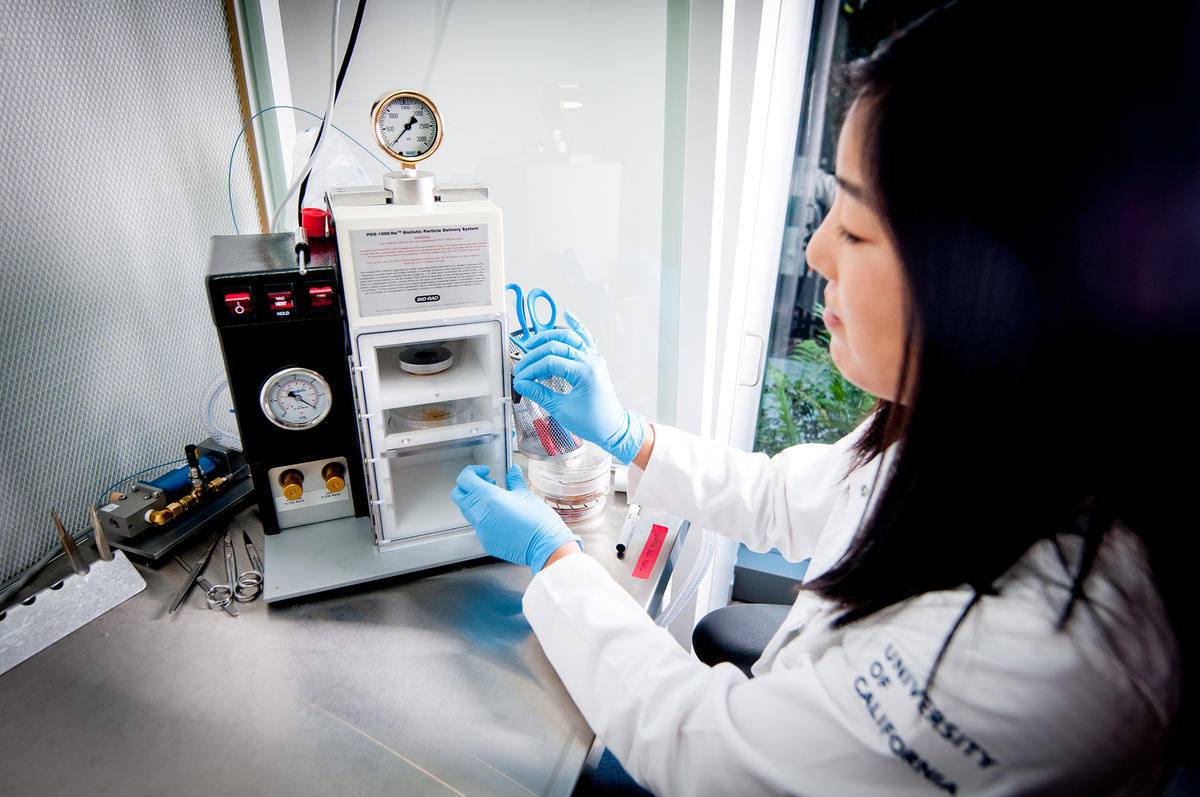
(585, 224)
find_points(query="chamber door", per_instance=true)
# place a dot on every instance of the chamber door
(434, 403)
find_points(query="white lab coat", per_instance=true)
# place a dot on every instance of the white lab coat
(1017, 707)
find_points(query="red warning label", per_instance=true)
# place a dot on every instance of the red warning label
(650, 551)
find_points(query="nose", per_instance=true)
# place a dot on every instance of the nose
(819, 253)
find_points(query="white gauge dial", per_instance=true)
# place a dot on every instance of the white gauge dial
(295, 398)
(407, 125)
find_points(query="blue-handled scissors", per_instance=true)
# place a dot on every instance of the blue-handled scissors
(527, 314)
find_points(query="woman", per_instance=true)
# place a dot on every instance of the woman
(993, 603)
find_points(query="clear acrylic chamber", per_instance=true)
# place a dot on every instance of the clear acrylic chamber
(575, 485)
(435, 405)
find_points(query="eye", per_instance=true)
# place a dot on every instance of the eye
(848, 236)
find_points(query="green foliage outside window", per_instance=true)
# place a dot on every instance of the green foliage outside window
(812, 404)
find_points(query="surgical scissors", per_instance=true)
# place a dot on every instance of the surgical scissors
(206, 584)
(241, 587)
(250, 583)
(220, 595)
(527, 314)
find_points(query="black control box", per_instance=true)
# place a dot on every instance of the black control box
(284, 340)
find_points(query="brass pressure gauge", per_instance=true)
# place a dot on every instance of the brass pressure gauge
(407, 125)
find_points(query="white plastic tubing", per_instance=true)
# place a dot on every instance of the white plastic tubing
(708, 547)
(219, 433)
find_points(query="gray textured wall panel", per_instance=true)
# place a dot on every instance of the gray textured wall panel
(115, 133)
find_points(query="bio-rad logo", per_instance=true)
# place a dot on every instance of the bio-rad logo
(430, 297)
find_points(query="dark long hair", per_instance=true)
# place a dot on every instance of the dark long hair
(1040, 178)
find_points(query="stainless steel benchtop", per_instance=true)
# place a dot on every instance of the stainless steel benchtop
(424, 684)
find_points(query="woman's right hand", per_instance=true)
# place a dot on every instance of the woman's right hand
(590, 409)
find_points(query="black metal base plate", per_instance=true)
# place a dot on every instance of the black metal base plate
(153, 546)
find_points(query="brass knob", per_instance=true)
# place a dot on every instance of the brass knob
(292, 482)
(334, 474)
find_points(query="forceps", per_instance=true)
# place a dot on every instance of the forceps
(193, 576)
(527, 314)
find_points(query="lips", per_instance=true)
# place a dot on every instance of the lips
(832, 322)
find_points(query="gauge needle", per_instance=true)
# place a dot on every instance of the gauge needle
(298, 397)
(407, 127)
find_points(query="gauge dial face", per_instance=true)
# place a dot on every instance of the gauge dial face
(407, 125)
(295, 398)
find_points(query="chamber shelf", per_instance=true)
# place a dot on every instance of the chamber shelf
(418, 437)
(466, 378)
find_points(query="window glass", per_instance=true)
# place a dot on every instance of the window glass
(537, 105)
(805, 398)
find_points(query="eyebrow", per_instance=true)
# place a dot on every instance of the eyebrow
(853, 189)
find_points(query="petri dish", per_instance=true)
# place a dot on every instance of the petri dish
(427, 416)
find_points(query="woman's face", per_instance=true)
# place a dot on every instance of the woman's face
(866, 299)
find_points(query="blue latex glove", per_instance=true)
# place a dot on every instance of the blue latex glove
(591, 409)
(514, 524)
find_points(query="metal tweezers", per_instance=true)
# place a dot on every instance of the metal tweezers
(193, 575)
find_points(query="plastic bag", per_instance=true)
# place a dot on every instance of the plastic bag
(337, 166)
